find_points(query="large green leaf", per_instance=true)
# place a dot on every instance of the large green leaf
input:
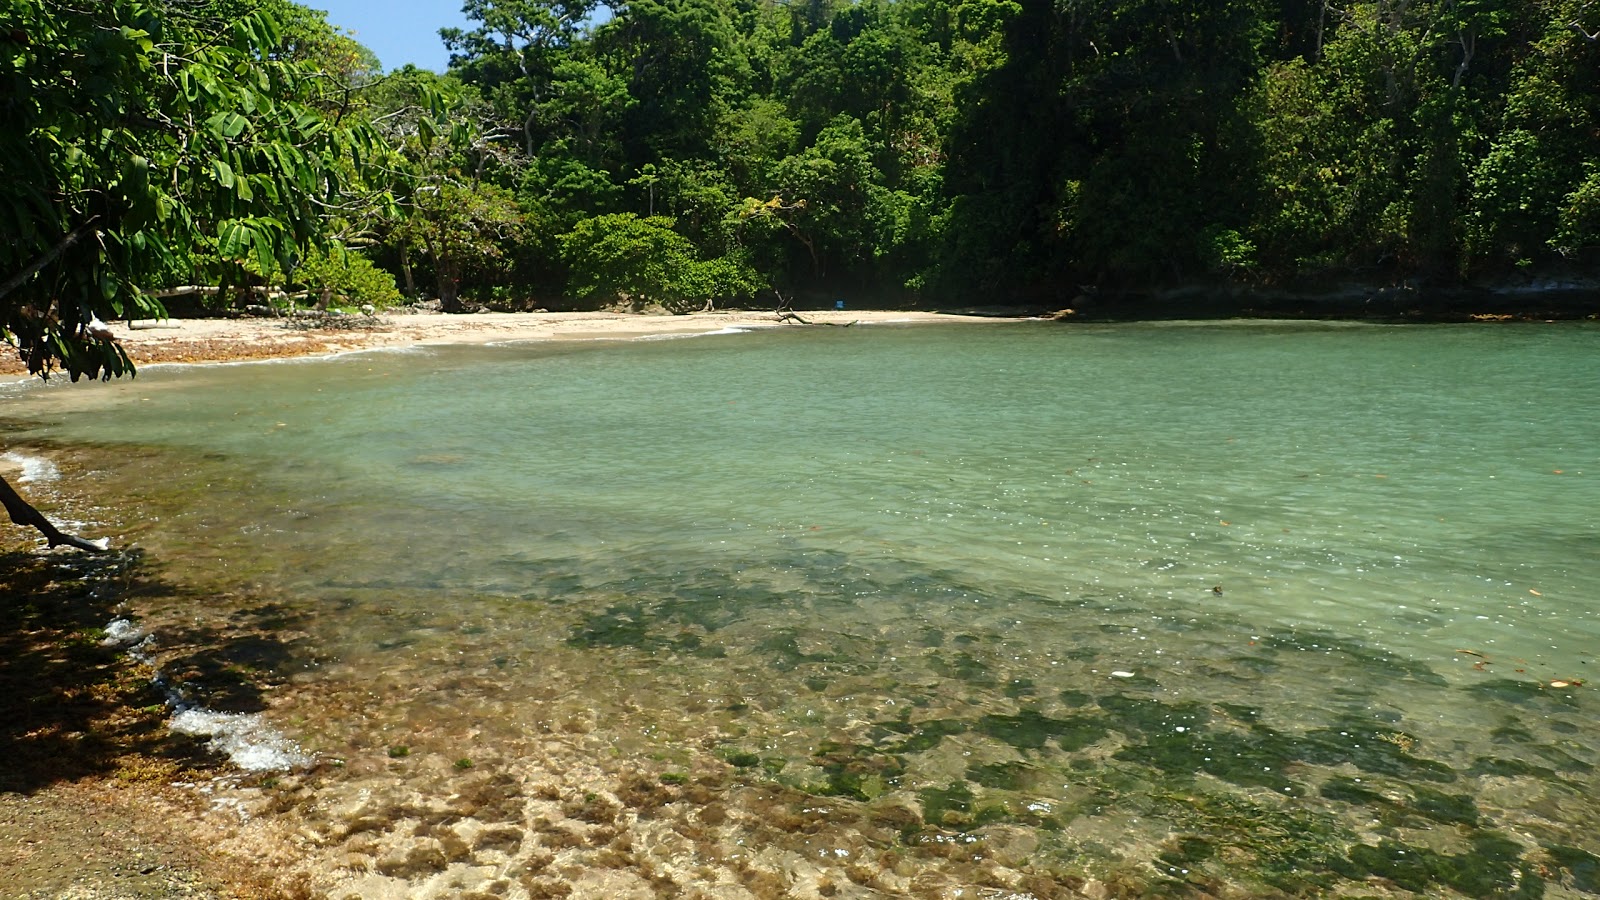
(227, 124)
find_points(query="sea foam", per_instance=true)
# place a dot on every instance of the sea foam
(34, 468)
(245, 738)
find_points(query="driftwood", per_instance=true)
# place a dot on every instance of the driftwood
(790, 317)
(203, 290)
(23, 513)
(787, 316)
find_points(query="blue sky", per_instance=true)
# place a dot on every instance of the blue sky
(399, 31)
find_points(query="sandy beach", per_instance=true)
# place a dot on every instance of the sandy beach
(235, 339)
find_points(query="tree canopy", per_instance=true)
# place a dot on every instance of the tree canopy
(932, 148)
(149, 143)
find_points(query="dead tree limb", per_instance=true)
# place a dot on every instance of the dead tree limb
(786, 315)
(23, 513)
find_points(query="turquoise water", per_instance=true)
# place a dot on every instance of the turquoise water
(1236, 607)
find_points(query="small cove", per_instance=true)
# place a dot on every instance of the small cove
(883, 612)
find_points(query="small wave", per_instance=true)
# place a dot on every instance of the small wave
(728, 329)
(245, 738)
(34, 468)
(122, 632)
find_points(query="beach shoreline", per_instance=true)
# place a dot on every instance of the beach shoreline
(213, 340)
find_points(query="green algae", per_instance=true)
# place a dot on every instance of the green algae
(1343, 789)
(1562, 760)
(739, 759)
(957, 808)
(1030, 730)
(1186, 850)
(1424, 804)
(963, 667)
(1509, 768)
(1583, 866)
(1383, 665)
(1017, 688)
(948, 806)
(1522, 693)
(855, 771)
(785, 646)
(1007, 776)
(1246, 760)
(1142, 715)
(630, 626)
(1449, 809)
(1075, 699)
(1358, 743)
(1290, 848)
(1493, 868)
(923, 736)
(1511, 732)
(1249, 715)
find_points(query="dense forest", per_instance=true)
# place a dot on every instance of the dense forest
(697, 152)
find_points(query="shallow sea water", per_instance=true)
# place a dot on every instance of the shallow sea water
(1220, 609)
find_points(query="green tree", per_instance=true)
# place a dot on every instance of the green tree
(680, 61)
(1533, 190)
(131, 132)
(642, 260)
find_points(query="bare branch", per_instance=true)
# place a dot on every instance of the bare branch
(23, 513)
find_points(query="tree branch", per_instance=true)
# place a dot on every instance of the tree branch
(23, 513)
(49, 256)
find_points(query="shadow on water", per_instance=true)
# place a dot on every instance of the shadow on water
(73, 706)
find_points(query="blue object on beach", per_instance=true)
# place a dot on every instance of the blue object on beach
(838, 304)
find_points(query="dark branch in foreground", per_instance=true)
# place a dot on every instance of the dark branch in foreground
(23, 513)
(48, 257)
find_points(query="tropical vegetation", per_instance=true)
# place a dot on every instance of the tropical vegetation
(689, 153)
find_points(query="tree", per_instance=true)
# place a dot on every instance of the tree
(464, 226)
(132, 132)
(513, 54)
(679, 60)
(642, 260)
(447, 165)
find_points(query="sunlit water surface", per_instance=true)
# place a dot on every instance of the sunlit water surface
(1019, 609)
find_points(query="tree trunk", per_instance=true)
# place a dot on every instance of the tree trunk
(449, 284)
(405, 269)
(23, 513)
